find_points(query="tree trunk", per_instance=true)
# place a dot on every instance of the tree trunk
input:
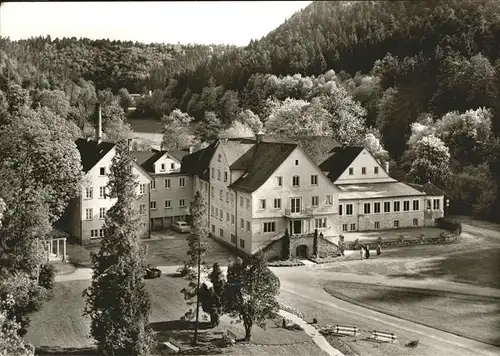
(215, 319)
(248, 330)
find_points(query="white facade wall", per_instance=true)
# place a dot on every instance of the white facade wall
(374, 172)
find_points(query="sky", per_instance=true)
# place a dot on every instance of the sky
(207, 22)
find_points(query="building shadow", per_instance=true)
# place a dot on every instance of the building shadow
(178, 325)
(66, 351)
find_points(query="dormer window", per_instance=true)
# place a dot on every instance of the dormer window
(296, 162)
(162, 167)
(351, 171)
(102, 171)
(172, 165)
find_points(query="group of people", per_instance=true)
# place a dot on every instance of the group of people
(364, 251)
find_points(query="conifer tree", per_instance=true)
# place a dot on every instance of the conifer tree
(117, 300)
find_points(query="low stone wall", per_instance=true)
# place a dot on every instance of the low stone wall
(401, 242)
(327, 248)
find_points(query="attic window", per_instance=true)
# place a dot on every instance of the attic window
(363, 170)
(102, 171)
(375, 170)
(296, 162)
(172, 165)
(162, 167)
(351, 171)
(220, 157)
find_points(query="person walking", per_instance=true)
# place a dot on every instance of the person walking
(367, 251)
(361, 252)
(379, 249)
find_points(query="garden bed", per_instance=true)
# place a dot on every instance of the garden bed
(285, 263)
(321, 260)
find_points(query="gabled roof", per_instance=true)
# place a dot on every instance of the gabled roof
(339, 161)
(260, 162)
(91, 152)
(234, 149)
(427, 188)
(141, 156)
(198, 162)
(147, 159)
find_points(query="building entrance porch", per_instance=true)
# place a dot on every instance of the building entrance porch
(300, 226)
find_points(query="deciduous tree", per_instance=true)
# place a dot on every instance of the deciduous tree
(432, 161)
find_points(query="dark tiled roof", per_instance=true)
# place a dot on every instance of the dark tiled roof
(147, 159)
(91, 152)
(427, 188)
(141, 156)
(338, 162)
(198, 162)
(235, 149)
(178, 154)
(260, 162)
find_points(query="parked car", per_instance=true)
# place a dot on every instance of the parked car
(181, 226)
(152, 272)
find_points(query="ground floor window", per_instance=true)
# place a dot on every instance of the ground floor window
(242, 243)
(344, 227)
(142, 209)
(415, 222)
(221, 233)
(396, 223)
(94, 234)
(376, 225)
(353, 227)
(213, 229)
(233, 239)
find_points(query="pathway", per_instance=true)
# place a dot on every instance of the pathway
(313, 333)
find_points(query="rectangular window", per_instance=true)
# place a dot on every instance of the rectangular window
(277, 203)
(213, 229)
(232, 219)
(218, 174)
(376, 208)
(351, 171)
(242, 224)
(168, 204)
(320, 223)
(102, 192)
(162, 167)
(101, 232)
(182, 182)
(221, 194)
(262, 203)
(295, 205)
(212, 191)
(363, 170)
(212, 210)
(406, 205)
(296, 181)
(182, 203)
(314, 179)
(233, 239)
(375, 170)
(153, 184)
(142, 209)
(213, 172)
(367, 208)
(167, 183)
(89, 193)
(436, 205)
(315, 200)
(94, 234)
(242, 243)
(416, 205)
(397, 206)
(270, 226)
(232, 198)
(225, 176)
(227, 217)
(376, 225)
(242, 202)
(221, 214)
(88, 214)
(172, 165)
(329, 199)
(247, 201)
(248, 226)
(227, 196)
(102, 213)
(279, 181)
(340, 210)
(152, 205)
(396, 223)
(216, 212)
(353, 227)
(296, 162)
(142, 189)
(102, 171)
(348, 209)
(219, 157)
(221, 233)
(415, 222)
(429, 204)
(387, 207)
(344, 227)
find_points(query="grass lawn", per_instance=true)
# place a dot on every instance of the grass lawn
(167, 249)
(60, 328)
(474, 317)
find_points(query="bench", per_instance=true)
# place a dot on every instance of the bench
(345, 330)
(383, 336)
(172, 346)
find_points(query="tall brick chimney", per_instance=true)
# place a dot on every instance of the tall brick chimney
(98, 129)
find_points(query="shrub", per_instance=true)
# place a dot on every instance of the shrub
(449, 225)
(379, 240)
(46, 278)
(356, 243)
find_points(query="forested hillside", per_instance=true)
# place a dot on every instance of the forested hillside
(420, 79)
